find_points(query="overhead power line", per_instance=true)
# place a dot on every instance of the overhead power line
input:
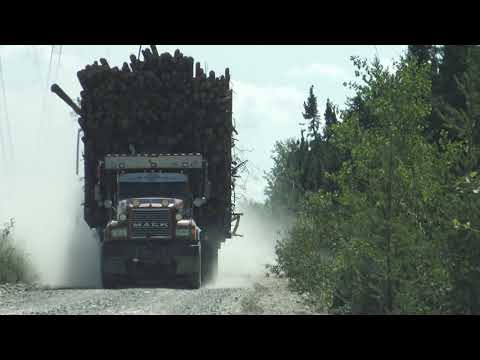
(5, 113)
(36, 61)
(2, 143)
(48, 80)
(59, 59)
(45, 96)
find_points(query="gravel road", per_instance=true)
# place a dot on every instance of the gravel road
(229, 296)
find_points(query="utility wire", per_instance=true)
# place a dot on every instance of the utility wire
(50, 66)
(2, 141)
(5, 110)
(6, 169)
(2, 144)
(45, 96)
(48, 81)
(37, 64)
(58, 62)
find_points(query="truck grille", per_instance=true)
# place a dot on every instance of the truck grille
(144, 223)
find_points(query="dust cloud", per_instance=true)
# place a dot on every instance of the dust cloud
(242, 260)
(43, 194)
(39, 187)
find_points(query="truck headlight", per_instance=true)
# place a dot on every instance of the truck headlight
(186, 229)
(178, 217)
(183, 233)
(122, 210)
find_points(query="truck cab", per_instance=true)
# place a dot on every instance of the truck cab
(151, 229)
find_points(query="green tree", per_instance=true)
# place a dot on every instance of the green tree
(459, 222)
(284, 181)
(455, 63)
(423, 53)
(311, 114)
(388, 217)
(365, 246)
(330, 120)
(15, 266)
(426, 55)
(458, 89)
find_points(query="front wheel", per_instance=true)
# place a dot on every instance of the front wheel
(210, 262)
(108, 282)
(195, 279)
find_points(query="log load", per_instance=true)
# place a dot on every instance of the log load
(162, 104)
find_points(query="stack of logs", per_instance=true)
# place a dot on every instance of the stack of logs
(163, 104)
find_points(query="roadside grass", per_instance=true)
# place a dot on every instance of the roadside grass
(14, 264)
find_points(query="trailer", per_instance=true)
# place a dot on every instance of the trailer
(159, 176)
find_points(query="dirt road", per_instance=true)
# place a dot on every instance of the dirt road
(241, 295)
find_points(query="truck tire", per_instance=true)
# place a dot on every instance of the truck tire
(210, 262)
(195, 279)
(108, 282)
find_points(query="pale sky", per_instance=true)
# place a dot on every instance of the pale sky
(270, 84)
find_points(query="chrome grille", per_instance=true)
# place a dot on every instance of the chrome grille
(150, 222)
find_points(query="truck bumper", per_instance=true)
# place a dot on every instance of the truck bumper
(129, 257)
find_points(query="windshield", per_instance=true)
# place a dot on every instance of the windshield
(177, 190)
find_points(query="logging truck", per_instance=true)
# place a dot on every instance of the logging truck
(158, 167)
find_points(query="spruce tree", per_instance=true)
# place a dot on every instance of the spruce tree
(425, 54)
(421, 52)
(311, 114)
(330, 120)
(454, 64)
(429, 55)
(459, 62)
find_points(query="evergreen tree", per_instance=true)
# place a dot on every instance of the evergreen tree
(387, 201)
(463, 123)
(285, 180)
(458, 113)
(311, 114)
(429, 55)
(366, 244)
(454, 64)
(423, 53)
(330, 120)
(460, 63)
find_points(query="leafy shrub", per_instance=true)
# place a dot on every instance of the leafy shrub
(14, 264)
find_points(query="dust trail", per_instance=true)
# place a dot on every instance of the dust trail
(242, 259)
(41, 190)
(45, 200)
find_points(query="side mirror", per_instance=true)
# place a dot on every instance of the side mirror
(199, 202)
